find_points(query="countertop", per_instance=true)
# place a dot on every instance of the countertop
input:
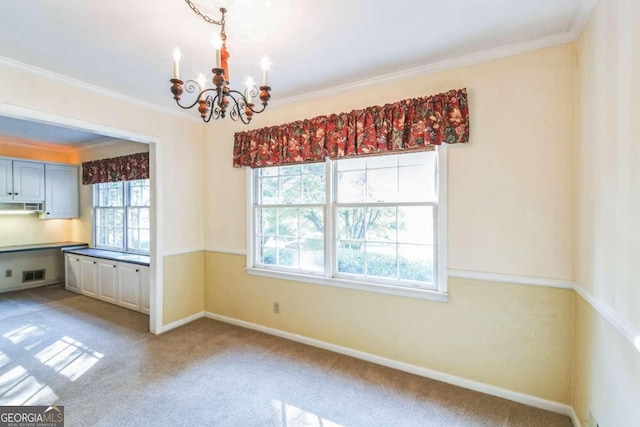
(111, 255)
(41, 247)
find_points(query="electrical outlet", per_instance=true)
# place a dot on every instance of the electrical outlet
(276, 307)
(8, 273)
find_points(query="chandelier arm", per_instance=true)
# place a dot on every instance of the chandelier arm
(237, 110)
(250, 105)
(191, 86)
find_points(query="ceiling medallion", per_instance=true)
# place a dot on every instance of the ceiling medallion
(215, 102)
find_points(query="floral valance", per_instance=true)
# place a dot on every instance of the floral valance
(123, 168)
(411, 124)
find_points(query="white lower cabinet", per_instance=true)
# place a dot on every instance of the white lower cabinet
(72, 273)
(121, 283)
(88, 277)
(145, 291)
(108, 280)
(129, 286)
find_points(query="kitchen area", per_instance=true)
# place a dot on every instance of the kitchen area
(55, 229)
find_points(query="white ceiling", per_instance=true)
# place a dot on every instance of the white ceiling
(126, 46)
(43, 132)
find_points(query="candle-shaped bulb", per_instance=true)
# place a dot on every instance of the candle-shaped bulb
(176, 63)
(202, 81)
(249, 83)
(217, 45)
(265, 66)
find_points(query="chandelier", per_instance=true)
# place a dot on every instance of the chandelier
(214, 102)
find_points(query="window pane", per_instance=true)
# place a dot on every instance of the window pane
(351, 186)
(350, 256)
(290, 189)
(314, 188)
(381, 260)
(380, 224)
(312, 254)
(291, 237)
(268, 191)
(312, 222)
(351, 223)
(267, 250)
(267, 221)
(416, 262)
(382, 185)
(287, 222)
(415, 224)
(287, 252)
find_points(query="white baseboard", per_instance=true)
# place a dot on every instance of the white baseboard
(33, 285)
(181, 322)
(574, 418)
(525, 399)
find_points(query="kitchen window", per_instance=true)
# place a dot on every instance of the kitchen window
(121, 216)
(374, 223)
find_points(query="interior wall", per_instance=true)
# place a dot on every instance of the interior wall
(179, 153)
(51, 261)
(510, 211)
(82, 227)
(607, 367)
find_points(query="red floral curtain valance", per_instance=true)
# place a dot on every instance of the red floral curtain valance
(123, 168)
(412, 124)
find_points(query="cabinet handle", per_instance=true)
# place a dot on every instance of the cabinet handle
(94, 262)
(10, 194)
(15, 194)
(114, 266)
(137, 271)
(48, 213)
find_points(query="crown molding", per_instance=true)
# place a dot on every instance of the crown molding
(59, 148)
(579, 21)
(21, 142)
(435, 67)
(582, 17)
(41, 72)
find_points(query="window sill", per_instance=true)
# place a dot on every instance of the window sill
(425, 294)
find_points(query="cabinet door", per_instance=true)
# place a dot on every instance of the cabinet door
(145, 291)
(108, 281)
(72, 273)
(28, 181)
(129, 286)
(88, 277)
(61, 191)
(6, 180)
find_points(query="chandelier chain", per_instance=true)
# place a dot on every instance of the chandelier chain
(205, 17)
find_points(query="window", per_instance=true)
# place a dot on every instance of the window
(121, 216)
(366, 221)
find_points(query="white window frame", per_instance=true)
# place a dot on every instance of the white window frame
(328, 277)
(126, 206)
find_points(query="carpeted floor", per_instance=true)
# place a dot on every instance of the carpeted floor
(98, 361)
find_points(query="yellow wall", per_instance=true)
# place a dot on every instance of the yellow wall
(511, 336)
(179, 152)
(607, 367)
(510, 206)
(184, 286)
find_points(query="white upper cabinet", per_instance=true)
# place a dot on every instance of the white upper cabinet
(6, 180)
(61, 191)
(21, 181)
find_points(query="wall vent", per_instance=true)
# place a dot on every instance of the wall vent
(32, 276)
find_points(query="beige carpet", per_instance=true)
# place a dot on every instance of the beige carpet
(98, 361)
